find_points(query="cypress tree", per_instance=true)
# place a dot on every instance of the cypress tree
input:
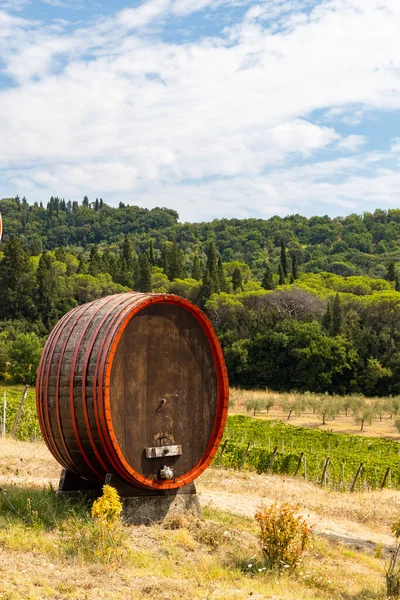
(152, 260)
(126, 264)
(222, 285)
(267, 280)
(327, 318)
(82, 264)
(60, 254)
(127, 255)
(175, 267)
(136, 274)
(163, 263)
(336, 316)
(237, 282)
(196, 268)
(206, 289)
(144, 273)
(16, 282)
(281, 275)
(212, 265)
(95, 262)
(284, 258)
(391, 271)
(46, 289)
(295, 267)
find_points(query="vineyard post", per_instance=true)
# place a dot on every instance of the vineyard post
(3, 425)
(385, 478)
(271, 460)
(299, 464)
(222, 451)
(326, 463)
(17, 418)
(245, 456)
(356, 477)
(305, 467)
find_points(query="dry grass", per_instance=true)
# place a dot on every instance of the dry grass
(193, 560)
(341, 423)
(375, 509)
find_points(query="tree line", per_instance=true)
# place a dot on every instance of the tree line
(280, 324)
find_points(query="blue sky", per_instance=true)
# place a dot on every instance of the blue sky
(217, 108)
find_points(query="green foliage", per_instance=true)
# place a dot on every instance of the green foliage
(28, 422)
(24, 356)
(335, 328)
(267, 281)
(255, 405)
(283, 261)
(144, 282)
(377, 454)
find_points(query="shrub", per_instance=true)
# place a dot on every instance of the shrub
(101, 538)
(284, 535)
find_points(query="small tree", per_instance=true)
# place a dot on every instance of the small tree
(292, 404)
(392, 406)
(328, 407)
(363, 414)
(379, 407)
(254, 405)
(312, 401)
(269, 403)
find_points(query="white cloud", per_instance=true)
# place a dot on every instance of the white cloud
(208, 127)
(351, 143)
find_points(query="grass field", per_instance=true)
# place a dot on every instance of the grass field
(216, 560)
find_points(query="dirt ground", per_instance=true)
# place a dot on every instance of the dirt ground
(362, 519)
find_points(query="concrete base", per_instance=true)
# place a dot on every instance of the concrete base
(154, 509)
(139, 506)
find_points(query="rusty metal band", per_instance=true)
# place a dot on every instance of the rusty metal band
(96, 310)
(84, 374)
(97, 405)
(71, 328)
(46, 375)
(135, 299)
(44, 381)
(39, 383)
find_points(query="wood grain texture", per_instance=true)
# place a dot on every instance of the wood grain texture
(129, 372)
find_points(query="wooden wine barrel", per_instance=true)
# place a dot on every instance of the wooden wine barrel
(136, 385)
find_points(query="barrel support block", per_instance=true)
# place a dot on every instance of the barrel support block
(139, 506)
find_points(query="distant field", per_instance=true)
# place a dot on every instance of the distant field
(305, 417)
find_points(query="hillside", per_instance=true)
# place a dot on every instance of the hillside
(298, 304)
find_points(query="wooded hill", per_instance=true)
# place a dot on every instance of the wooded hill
(306, 304)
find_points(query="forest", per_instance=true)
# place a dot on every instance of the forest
(306, 304)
